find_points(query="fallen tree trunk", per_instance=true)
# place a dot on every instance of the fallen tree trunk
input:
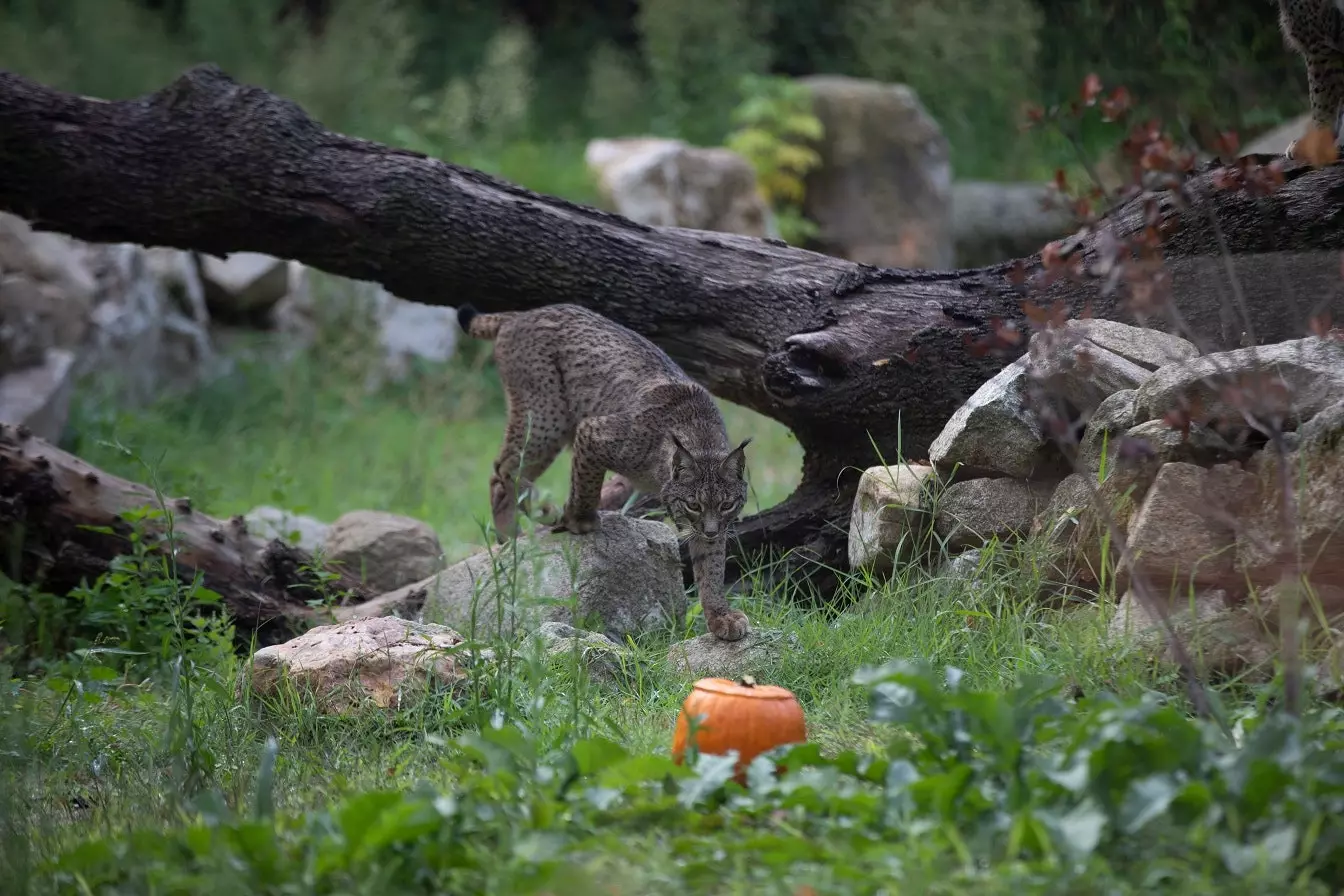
(854, 360)
(63, 521)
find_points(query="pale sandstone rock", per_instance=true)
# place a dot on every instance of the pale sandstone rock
(380, 660)
(888, 521)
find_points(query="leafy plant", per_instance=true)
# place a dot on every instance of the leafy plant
(775, 125)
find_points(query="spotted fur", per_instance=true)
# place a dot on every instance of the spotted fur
(1315, 30)
(575, 378)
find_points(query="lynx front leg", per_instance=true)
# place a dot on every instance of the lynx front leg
(597, 446)
(708, 559)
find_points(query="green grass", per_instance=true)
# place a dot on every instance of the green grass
(149, 772)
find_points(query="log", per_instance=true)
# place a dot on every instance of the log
(64, 521)
(853, 359)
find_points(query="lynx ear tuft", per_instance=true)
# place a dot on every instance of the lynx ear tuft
(682, 461)
(735, 464)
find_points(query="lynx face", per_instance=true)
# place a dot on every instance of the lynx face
(705, 494)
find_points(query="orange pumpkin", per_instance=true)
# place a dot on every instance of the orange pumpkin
(742, 715)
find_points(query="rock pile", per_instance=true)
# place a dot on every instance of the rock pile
(1169, 452)
(147, 322)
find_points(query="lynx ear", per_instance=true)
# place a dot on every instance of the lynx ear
(735, 464)
(681, 459)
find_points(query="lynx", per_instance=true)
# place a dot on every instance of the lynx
(573, 377)
(1315, 30)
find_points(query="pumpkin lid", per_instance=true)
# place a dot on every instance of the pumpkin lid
(747, 687)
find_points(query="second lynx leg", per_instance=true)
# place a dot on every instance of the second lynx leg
(525, 455)
(598, 447)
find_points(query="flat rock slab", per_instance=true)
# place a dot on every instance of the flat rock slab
(707, 656)
(376, 660)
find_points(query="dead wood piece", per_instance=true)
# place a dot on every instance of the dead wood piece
(65, 521)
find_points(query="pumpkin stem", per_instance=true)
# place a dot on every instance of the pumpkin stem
(747, 681)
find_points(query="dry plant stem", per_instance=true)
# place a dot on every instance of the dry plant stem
(844, 355)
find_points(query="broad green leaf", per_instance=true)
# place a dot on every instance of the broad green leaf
(1146, 799)
(597, 753)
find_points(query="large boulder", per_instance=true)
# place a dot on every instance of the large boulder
(46, 294)
(624, 579)
(1217, 632)
(1292, 380)
(882, 194)
(1087, 361)
(969, 513)
(385, 550)
(381, 660)
(708, 657)
(997, 431)
(149, 333)
(669, 183)
(1269, 549)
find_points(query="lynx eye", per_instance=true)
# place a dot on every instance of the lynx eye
(693, 508)
(726, 506)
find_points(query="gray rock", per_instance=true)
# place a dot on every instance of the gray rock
(995, 431)
(273, 522)
(1295, 379)
(1222, 637)
(669, 183)
(707, 656)
(1070, 363)
(625, 577)
(1183, 532)
(39, 397)
(385, 550)
(379, 661)
(607, 662)
(972, 512)
(882, 194)
(243, 284)
(1112, 418)
(1148, 348)
(965, 567)
(1268, 549)
(412, 330)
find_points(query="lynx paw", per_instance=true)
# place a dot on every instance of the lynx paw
(730, 626)
(581, 525)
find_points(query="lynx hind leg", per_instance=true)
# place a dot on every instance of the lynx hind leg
(1325, 78)
(529, 448)
(599, 445)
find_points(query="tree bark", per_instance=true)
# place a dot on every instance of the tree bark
(63, 521)
(857, 362)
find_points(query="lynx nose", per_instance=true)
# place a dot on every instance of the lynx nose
(711, 527)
